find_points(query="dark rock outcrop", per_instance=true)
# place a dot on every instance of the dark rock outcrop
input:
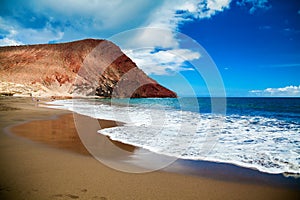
(81, 68)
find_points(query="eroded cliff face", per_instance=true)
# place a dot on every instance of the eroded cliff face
(81, 68)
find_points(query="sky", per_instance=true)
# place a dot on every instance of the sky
(194, 47)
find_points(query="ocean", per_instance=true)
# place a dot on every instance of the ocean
(257, 133)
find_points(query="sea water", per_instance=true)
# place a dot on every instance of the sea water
(258, 133)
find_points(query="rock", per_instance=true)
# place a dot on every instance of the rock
(80, 68)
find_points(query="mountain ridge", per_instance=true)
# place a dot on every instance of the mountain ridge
(89, 67)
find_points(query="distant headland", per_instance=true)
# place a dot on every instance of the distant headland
(89, 67)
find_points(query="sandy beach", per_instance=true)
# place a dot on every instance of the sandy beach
(42, 157)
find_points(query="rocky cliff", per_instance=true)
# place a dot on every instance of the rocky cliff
(81, 68)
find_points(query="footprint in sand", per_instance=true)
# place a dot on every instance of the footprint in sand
(72, 196)
(66, 195)
(84, 190)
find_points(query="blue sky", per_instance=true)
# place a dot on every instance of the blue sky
(253, 45)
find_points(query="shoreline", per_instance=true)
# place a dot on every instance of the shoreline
(73, 171)
(213, 170)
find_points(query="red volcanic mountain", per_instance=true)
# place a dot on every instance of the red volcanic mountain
(81, 68)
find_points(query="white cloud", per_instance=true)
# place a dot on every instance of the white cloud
(169, 15)
(17, 35)
(211, 7)
(21, 36)
(162, 62)
(288, 91)
(9, 42)
(41, 36)
(254, 5)
(10, 39)
(76, 19)
(101, 15)
(160, 31)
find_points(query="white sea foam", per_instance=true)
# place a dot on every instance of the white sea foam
(266, 144)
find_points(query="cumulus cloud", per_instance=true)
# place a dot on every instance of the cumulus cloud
(105, 18)
(211, 7)
(288, 91)
(160, 31)
(172, 13)
(254, 5)
(9, 42)
(9, 32)
(76, 19)
(18, 36)
(162, 62)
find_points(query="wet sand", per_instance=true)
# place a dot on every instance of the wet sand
(60, 132)
(53, 164)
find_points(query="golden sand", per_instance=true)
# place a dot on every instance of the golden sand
(63, 170)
